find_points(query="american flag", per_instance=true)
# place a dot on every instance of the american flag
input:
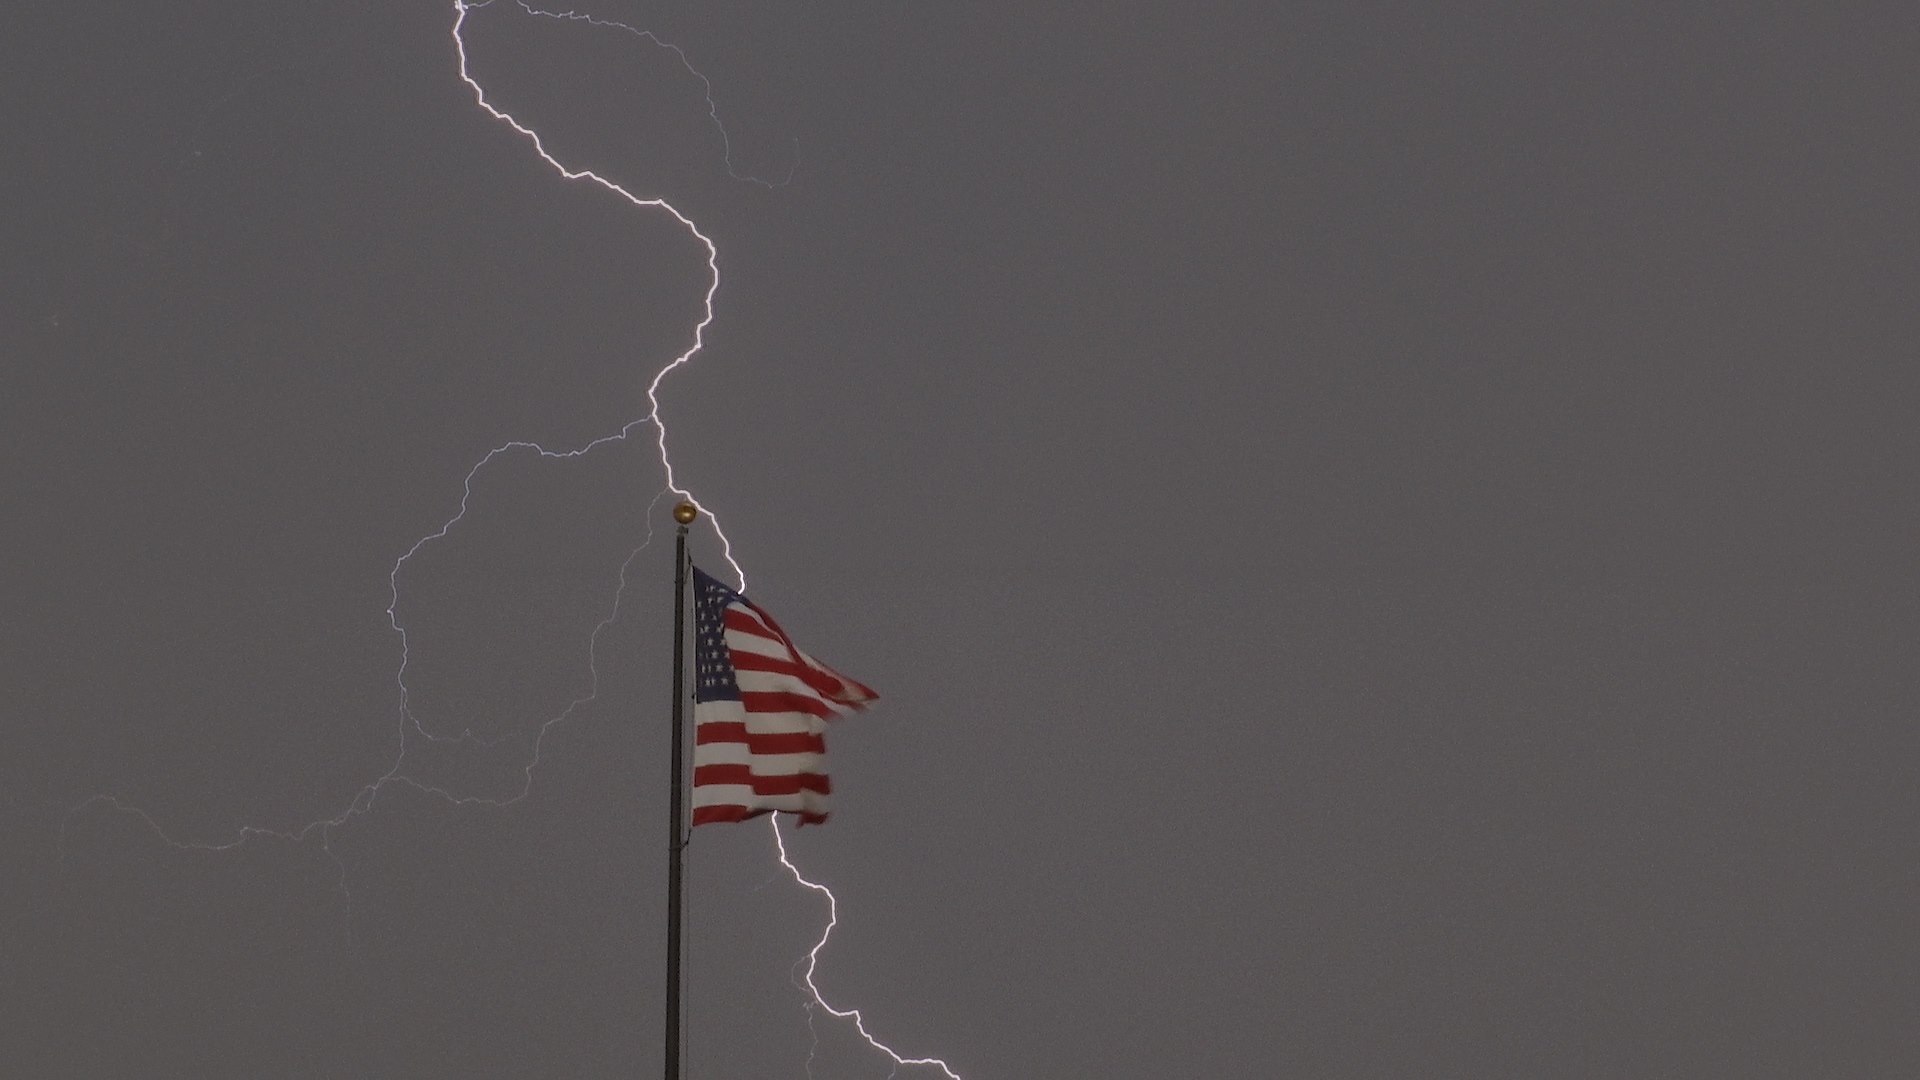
(759, 714)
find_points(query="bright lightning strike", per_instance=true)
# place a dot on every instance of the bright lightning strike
(364, 799)
(461, 8)
(813, 963)
(480, 97)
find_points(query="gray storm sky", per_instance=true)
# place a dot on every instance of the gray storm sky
(1384, 533)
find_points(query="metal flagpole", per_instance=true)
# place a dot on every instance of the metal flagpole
(684, 513)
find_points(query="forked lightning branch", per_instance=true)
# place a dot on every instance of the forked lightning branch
(758, 741)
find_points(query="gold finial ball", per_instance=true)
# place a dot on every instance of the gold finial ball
(685, 512)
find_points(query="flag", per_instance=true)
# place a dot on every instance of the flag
(759, 714)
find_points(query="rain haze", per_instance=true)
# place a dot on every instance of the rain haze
(1384, 534)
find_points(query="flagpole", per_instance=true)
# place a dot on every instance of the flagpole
(684, 513)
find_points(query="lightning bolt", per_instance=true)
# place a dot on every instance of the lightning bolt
(813, 964)
(410, 728)
(653, 417)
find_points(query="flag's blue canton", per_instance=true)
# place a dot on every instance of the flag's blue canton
(713, 675)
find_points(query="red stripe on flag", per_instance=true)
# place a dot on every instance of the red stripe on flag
(758, 742)
(744, 776)
(771, 701)
(708, 815)
(743, 620)
(825, 683)
(713, 731)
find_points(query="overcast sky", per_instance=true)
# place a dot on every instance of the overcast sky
(1384, 534)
